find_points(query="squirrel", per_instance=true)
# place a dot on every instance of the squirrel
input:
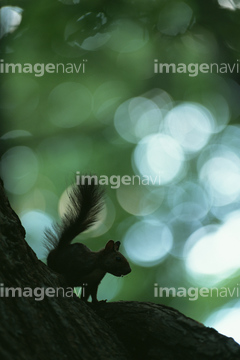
(76, 262)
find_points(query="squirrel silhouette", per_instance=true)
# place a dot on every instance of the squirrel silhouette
(76, 262)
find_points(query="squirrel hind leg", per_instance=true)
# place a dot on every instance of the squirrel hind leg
(89, 290)
(85, 293)
(93, 293)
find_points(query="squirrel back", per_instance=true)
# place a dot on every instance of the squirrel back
(79, 265)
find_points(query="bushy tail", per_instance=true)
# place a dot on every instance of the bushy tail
(85, 204)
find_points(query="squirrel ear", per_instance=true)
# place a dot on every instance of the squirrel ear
(110, 245)
(117, 245)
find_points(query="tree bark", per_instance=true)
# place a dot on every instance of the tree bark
(67, 328)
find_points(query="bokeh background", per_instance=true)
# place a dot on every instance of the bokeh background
(121, 118)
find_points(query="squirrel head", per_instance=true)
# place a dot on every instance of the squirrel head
(113, 261)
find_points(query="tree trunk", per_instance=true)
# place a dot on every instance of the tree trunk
(60, 327)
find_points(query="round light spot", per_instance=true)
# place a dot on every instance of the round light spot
(96, 41)
(136, 118)
(221, 176)
(175, 19)
(191, 125)
(189, 202)
(214, 249)
(19, 169)
(15, 134)
(127, 36)
(228, 4)
(219, 108)
(147, 243)
(159, 155)
(139, 201)
(10, 19)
